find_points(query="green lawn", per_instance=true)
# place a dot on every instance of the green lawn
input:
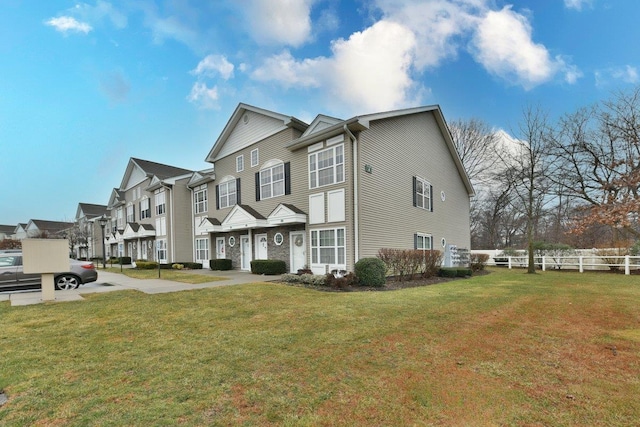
(556, 348)
(183, 276)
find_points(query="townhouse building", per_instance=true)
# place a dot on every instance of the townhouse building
(89, 231)
(326, 194)
(150, 214)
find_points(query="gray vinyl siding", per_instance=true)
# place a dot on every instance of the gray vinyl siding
(256, 129)
(397, 150)
(182, 221)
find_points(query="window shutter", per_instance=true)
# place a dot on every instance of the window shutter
(431, 197)
(415, 202)
(415, 241)
(134, 213)
(287, 178)
(217, 197)
(140, 209)
(257, 186)
(238, 202)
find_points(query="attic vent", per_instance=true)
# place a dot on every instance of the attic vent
(245, 119)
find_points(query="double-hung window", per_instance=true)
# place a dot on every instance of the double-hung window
(422, 194)
(227, 194)
(272, 182)
(254, 157)
(145, 209)
(328, 246)
(119, 219)
(202, 249)
(326, 167)
(161, 206)
(161, 250)
(240, 163)
(131, 214)
(200, 199)
(423, 241)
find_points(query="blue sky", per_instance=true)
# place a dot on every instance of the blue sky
(84, 86)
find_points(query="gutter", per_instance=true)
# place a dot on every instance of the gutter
(356, 224)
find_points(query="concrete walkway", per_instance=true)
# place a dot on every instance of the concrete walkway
(109, 282)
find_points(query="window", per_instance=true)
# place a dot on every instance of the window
(227, 194)
(202, 249)
(131, 214)
(423, 241)
(161, 226)
(161, 250)
(161, 207)
(200, 199)
(119, 219)
(240, 163)
(422, 191)
(272, 182)
(328, 246)
(254, 158)
(145, 209)
(326, 167)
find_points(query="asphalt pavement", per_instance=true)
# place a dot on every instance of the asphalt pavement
(110, 282)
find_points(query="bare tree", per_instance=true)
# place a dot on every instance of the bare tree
(528, 166)
(599, 149)
(475, 142)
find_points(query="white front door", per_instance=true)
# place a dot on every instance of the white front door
(261, 246)
(298, 251)
(144, 250)
(245, 253)
(220, 247)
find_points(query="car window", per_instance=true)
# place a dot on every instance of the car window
(7, 261)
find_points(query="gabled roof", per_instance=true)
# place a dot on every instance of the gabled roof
(273, 123)
(201, 177)
(90, 211)
(116, 199)
(360, 123)
(7, 229)
(148, 169)
(50, 226)
(321, 122)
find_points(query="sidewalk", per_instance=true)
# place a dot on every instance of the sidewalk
(109, 282)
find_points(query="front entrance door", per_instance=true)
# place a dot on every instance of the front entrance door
(261, 246)
(144, 249)
(298, 251)
(220, 248)
(245, 253)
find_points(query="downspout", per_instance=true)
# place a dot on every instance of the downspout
(173, 214)
(356, 226)
(193, 225)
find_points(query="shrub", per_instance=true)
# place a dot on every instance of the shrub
(125, 260)
(447, 272)
(341, 281)
(268, 266)
(190, 265)
(220, 264)
(146, 265)
(463, 272)
(430, 263)
(306, 279)
(371, 272)
(479, 261)
(177, 266)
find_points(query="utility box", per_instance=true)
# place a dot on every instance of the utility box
(46, 257)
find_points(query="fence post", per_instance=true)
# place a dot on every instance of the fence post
(626, 265)
(580, 264)
(509, 258)
(544, 267)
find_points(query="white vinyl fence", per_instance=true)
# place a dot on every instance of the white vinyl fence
(583, 260)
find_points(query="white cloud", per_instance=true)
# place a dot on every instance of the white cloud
(66, 24)
(626, 74)
(577, 4)
(503, 45)
(212, 65)
(204, 97)
(370, 70)
(102, 10)
(285, 22)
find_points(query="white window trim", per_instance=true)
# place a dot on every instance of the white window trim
(240, 163)
(202, 250)
(426, 195)
(160, 195)
(200, 206)
(427, 237)
(227, 184)
(316, 261)
(335, 165)
(256, 161)
(272, 182)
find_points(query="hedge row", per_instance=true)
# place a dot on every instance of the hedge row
(268, 266)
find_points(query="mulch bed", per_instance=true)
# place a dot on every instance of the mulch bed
(391, 285)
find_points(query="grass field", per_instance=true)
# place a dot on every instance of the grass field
(555, 348)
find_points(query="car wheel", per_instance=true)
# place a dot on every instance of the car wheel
(67, 282)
